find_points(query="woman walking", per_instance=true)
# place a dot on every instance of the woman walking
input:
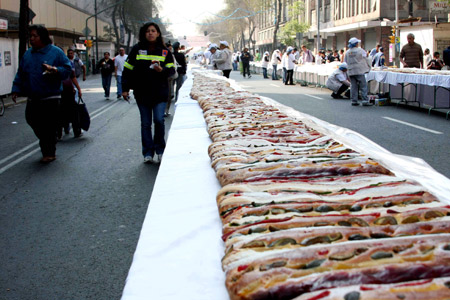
(146, 71)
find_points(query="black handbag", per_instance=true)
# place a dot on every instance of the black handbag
(84, 120)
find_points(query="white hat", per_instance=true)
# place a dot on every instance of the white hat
(343, 66)
(354, 40)
(225, 43)
(213, 46)
(266, 53)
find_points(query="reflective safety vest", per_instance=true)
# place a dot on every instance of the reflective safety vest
(140, 76)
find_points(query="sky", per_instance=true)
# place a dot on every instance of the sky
(180, 12)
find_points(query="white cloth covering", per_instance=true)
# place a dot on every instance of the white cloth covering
(179, 251)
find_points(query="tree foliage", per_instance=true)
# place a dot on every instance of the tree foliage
(131, 14)
(294, 25)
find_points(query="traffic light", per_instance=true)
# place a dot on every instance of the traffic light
(392, 39)
(393, 30)
(89, 43)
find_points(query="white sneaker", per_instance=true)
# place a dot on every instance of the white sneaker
(158, 158)
(148, 160)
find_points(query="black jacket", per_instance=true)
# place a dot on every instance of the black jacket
(106, 67)
(181, 60)
(138, 76)
(246, 58)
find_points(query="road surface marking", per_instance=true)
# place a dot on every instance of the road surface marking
(12, 164)
(274, 85)
(413, 125)
(19, 152)
(94, 114)
(313, 96)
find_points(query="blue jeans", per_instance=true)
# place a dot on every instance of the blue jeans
(106, 82)
(265, 72)
(358, 83)
(151, 145)
(119, 85)
(274, 72)
(284, 74)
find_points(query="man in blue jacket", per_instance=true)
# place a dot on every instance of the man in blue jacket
(41, 72)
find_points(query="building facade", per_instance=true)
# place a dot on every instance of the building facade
(370, 21)
(64, 21)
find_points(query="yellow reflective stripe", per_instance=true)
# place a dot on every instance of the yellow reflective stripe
(150, 57)
(171, 65)
(128, 66)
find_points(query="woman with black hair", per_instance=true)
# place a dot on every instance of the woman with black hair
(147, 69)
(41, 71)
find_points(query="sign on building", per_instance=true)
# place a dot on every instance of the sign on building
(439, 6)
(3, 24)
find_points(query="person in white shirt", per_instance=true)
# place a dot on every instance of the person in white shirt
(224, 61)
(339, 82)
(207, 55)
(276, 59)
(358, 66)
(284, 64)
(427, 57)
(290, 65)
(119, 62)
(215, 56)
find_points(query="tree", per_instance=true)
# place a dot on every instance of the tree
(294, 26)
(278, 4)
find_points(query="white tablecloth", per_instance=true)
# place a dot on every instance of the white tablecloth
(394, 78)
(179, 252)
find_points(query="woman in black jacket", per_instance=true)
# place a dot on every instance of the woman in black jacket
(146, 71)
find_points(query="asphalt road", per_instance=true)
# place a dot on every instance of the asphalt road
(397, 129)
(68, 230)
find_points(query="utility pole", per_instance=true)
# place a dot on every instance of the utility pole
(318, 25)
(96, 33)
(396, 51)
(23, 27)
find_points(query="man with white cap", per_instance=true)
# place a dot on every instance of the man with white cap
(276, 59)
(207, 54)
(224, 61)
(215, 55)
(290, 65)
(356, 59)
(339, 82)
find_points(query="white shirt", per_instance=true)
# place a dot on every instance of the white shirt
(119, 62)
(291, 62)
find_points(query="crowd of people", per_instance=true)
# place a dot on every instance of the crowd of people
(155, 71)
(49, 79)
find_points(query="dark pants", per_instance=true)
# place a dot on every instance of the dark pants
(178, 84)
(246, 69)
(226, 73)
(265, 72)
(289, 77)
(42, 116)
(149, 111)
(68, 114)
(106, 82)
